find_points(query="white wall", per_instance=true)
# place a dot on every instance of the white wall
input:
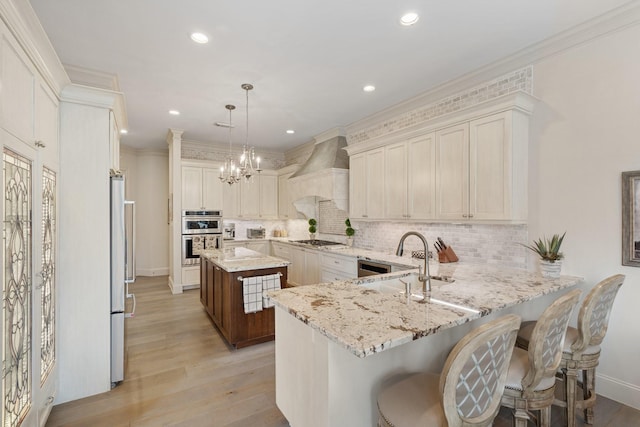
(147, 174)
(584, 133)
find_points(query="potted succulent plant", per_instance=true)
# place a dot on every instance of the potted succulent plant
(312, 228)
(549, 252)
(349, 231)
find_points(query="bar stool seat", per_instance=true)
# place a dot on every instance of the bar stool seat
(466, 393)
(581, 350)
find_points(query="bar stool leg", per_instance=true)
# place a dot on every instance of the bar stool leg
(571, 384)
(589, 387)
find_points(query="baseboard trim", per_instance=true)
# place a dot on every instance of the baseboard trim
(620, 391)
(176, 288)
(159, 271)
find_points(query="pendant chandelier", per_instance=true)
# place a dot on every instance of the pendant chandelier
(229, 173)
(248, 156)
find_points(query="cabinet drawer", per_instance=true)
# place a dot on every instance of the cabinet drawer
(333, 276)
(347, 265)
(279, 250)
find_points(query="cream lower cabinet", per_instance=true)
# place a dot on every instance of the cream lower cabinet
(409, 179)
(482, 169)
(335, 267)
(366, 184)
(305, 266)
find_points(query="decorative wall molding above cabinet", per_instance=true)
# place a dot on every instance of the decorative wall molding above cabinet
(471, 166)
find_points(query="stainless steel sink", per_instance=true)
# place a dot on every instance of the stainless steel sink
(398, 286)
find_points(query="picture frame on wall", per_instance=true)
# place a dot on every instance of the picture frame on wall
(631, 218)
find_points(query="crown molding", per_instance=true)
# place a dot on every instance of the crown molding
(96, 97)
(22, 22)
(94, 78)
(329, 134)
(616, 20)
(517, 101)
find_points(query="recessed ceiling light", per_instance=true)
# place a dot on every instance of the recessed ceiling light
(369, 88)
(199, 38)
(409, 18)
(174, 112)
(291, 131)
(124, 131)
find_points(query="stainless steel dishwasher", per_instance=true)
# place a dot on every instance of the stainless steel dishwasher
(371, 268)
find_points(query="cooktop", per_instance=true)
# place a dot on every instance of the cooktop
(316, 242)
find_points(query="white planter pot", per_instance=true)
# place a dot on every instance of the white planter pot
(312, 236)
(349, 241)
(550, 269)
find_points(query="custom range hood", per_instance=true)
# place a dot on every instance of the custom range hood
(324, 176)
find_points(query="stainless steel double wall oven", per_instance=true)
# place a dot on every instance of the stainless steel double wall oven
(200, 230)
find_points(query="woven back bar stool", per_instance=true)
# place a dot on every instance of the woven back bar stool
(581, 352)
(531, 381)
(466, 393)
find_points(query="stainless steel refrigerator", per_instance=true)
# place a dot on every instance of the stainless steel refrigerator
(123, 268)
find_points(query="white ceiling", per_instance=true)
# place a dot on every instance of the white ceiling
(308, 60)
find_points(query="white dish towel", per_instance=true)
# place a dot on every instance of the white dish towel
(270, 282)
(252, 294)
(254, 291)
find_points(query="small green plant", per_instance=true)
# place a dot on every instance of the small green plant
(548, 249)
(312, 225)
(349, 231)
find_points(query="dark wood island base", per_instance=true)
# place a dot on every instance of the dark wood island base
(221, 295)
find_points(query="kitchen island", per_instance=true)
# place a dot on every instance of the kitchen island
(221, 293)
(337, 343)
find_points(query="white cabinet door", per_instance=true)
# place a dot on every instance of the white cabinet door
(311, 274)
(490, 167)
(230, 200)
(395, 181)
(212, 189)
(16, 102)
(421, 177)
(46, 125)
(286, 210)
(297, 266)
(452, 164)
(375, 184)
(250, 198)
(201, 188)
(192, 188)
(357, 186)
(268, 196)
(366, 185)
(114, 142)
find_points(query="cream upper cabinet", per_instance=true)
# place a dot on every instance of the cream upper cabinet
(201, 188)
(230, 200)
(410, 179)
(258, 198)
(114, 142)
(498, 167)
(482, 169)
(46, 124)
(395, 181)
(17, 81)
(366, 184)
(286, 209)
(452, 165)
(268, 196)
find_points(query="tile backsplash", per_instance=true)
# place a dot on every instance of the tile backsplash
(481, 243)
(478, 243)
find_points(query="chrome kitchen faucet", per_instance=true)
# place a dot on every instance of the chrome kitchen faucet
(423, 275)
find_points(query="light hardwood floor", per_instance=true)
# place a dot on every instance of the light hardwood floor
(180, 372)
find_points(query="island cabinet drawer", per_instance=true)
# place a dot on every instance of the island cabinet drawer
(342, 264)
(327, 275)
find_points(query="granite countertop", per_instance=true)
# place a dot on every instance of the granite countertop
(242, 259)
(366, 321)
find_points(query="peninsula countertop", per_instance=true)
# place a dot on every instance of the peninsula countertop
(366, 321)
(242, 259)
